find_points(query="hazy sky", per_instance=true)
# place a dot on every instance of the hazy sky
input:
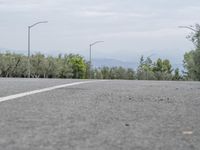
(129, 28)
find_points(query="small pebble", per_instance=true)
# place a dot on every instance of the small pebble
(161, 99)
(127, 125)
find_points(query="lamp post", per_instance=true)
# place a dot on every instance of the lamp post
(91, 56)
(29, 44)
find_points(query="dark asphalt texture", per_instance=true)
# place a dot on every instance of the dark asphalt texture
(110, 115)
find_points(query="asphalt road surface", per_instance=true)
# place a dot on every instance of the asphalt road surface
(99, 115)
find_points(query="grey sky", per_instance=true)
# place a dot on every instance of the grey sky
(129, 28)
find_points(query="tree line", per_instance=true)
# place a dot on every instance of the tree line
(62, 66)
(76, 66)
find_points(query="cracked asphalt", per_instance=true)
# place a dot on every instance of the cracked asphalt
(109, 115)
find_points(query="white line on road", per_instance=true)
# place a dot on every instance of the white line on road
(11, 97)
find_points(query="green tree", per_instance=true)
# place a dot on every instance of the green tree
(145, 70)
(162, 69)
(177, 75)
(38, 68)
(78, 65)
(105, 72)
(130, 74)
(9, 64)
(192, 58)
(64, 69)
(51, 67)
(97, 74)
(194, 37)
(118, 73)
(20, 69)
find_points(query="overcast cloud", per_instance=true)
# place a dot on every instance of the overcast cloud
(129, 28)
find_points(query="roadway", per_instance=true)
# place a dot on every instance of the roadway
(99, 115)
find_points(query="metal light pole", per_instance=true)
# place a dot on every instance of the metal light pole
(29, 44)
(91, 56)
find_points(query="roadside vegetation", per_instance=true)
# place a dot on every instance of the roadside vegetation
(76, 66)
(192, 58)
(62, 66)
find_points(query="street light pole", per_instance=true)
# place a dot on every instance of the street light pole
(29, 70)
(90, 57)
(29, 45)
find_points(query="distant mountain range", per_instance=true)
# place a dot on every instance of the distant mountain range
(126, 64)
(113, 63)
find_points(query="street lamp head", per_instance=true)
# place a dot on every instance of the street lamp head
(37, 23)
(44, 22)
(188, 27)
(99, 41)
(96, 42)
